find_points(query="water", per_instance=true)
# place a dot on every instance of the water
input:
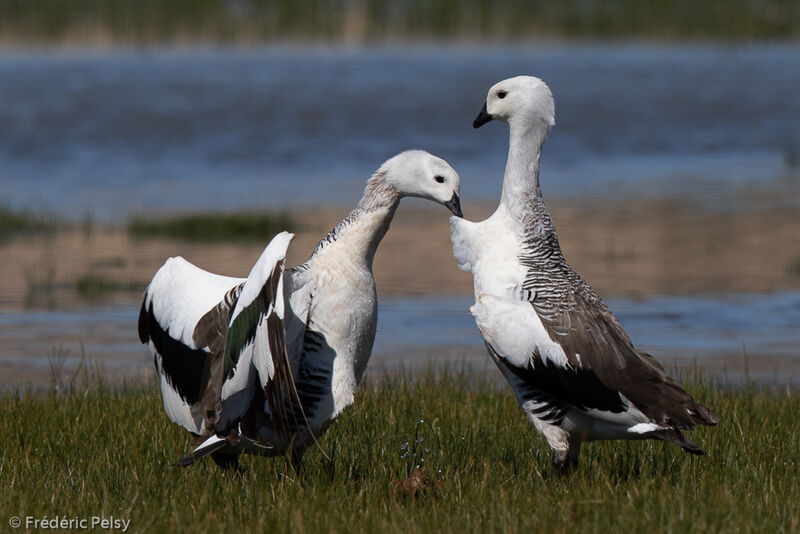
(684, 326)
(732, 337)
(108, 133)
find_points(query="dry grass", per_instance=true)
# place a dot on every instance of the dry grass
(210, 21)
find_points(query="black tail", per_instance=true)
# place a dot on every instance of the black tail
(703, 416)
(202, 451)
(675, 436)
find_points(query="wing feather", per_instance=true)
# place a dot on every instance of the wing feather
(172, 306)
(255, 345)
(593, 340)
(211, 331)
(517, 341)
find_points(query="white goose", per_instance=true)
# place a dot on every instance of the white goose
(265, 364)
(574, 371)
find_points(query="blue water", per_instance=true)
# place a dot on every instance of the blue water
(727, 336)
(685, 326)
(109, 133)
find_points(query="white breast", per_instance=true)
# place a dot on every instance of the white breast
(515, 331)
(489, 250)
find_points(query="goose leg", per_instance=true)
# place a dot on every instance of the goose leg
(294, 458)
(297, 459)
(228, 462)
(565, 460)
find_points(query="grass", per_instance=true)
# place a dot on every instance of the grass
(243, 227)
(17, 222)
(153, 21)
(108, 452)
(794, 268)
(94, 286)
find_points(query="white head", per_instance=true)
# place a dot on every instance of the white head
(416, 173)
(522, 101)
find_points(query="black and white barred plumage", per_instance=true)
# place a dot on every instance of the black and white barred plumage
(572, 367)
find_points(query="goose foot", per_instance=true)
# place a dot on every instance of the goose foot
(565, 461)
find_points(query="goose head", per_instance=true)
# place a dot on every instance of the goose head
(522, 101)
(416, 173)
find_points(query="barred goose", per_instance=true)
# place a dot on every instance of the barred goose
(264, 364)
(572, 367)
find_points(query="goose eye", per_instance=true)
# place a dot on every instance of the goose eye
(501, 94)
(439, 178)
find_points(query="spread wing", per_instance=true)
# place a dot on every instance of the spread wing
(172, 308)
(211, 332)
(255, 351)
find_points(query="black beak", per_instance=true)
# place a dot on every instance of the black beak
(454, 205)
(482, 118)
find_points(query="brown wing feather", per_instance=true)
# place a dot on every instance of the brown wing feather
(210, 332)
(278, 391)
(592, 338)
(287, 414)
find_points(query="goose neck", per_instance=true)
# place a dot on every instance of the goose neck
(360, 233)
(521, 181)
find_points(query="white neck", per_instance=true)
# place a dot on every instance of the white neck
(364, 237)
(362, 230)
(521, 181)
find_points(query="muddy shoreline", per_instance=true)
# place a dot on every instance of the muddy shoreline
(624, 249)
(629, 249)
